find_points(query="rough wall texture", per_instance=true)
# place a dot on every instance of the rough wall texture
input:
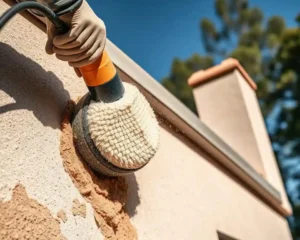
(34, 90)
(179, 195)
(24, 218)
(106, 195)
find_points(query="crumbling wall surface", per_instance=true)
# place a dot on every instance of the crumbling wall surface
(24, 218)
(108, 196)
(34, 90)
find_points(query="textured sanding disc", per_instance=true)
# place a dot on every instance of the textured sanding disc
(125, 132)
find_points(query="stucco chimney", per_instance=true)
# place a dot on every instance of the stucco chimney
(226, 102)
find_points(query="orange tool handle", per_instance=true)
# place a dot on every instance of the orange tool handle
(100, 76)
(99, 72)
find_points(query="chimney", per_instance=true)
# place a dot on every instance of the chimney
(226, 102)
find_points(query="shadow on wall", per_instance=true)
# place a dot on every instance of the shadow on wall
(31, 87)
(133, 195)
(42, 93)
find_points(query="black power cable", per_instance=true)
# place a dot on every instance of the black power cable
(10, 13)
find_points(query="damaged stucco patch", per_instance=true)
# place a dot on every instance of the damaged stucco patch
(25, 218)
(78, 209)
(106, 195)
(62, 215)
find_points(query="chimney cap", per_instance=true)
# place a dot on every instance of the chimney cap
(226, 66)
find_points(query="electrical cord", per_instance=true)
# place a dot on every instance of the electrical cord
(10, 13)
(60, 7)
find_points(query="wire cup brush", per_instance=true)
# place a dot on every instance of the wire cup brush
(115, 129)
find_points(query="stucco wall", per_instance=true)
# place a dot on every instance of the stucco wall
(34, 89)
(272, 173)
(229, 106)
(229, 117)
(181, 194)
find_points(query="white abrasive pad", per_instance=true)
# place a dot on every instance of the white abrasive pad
(125, 132)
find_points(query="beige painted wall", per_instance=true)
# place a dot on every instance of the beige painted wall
(183, 196)
(228, 105)
(272, 173)
(179, 195)
(221, 106)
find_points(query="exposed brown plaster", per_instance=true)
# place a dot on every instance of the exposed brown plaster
(62, 215)
(78, 209)
(106, 195)
(25, 218)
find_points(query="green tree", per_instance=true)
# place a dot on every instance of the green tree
(283, 95)
(269, 52)
(242, 35)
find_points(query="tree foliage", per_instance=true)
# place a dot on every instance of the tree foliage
(176, 82)
(269, 52)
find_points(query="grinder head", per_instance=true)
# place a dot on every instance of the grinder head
(116, 138)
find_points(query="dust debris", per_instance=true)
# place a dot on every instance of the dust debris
(106, 195)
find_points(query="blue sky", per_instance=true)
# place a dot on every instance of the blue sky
(153, 32)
